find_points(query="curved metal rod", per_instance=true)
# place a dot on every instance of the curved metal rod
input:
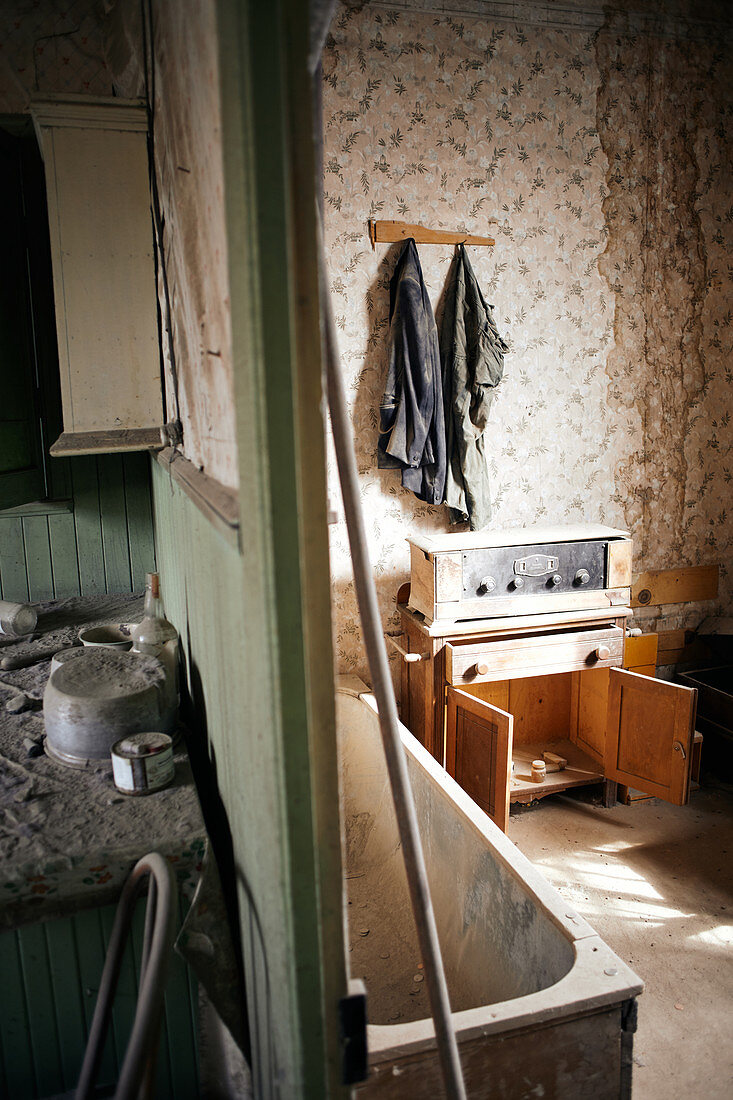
(136, 1074)
(384, 693)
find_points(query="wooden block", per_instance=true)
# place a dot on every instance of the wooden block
(641, 650)
(686, 585)
(619, 564)
(422, 593)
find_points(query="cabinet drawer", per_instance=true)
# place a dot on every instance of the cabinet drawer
(477, 662)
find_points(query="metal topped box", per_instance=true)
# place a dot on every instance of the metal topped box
(520, 571)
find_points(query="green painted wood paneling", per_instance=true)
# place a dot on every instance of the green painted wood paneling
(179, 1031)
(41, 1015)
(15, 1036)
(38, 558)
(13, 569)
(90, 953)
(88, 524)
(139, 518)
(50, 978)
(68, 999)
(64, 558)
(104, 544)
(113, 511)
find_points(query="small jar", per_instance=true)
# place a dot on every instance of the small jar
(539, 771)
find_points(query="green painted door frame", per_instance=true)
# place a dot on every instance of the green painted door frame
(270, 206)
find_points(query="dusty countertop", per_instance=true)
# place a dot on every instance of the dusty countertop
(68, 837)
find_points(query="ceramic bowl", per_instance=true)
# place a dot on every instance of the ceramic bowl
(109, 635)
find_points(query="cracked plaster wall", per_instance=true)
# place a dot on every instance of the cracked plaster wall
(602, 150)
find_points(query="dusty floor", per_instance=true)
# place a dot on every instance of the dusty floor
(656, 882)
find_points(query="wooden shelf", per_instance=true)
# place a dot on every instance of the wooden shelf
(581, 770)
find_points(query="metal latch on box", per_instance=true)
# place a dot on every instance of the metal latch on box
(536, 565)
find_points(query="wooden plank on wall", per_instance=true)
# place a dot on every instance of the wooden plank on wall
(15, 1035)
(685, 585)
(64, 557)
(114, 523)
(88, 524)
(90, 953)
(38, 558)
(139, 518)
(41, 1015)
(67, 997)
(100, 541)
(123, 1009)
(179, 1034)
(133, 957)
(13, 572)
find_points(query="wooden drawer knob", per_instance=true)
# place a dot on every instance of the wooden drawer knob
(603, 653)
(480, 668)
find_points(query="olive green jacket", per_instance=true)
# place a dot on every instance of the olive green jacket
(472, 364)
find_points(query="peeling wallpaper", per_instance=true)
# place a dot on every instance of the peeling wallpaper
(602, 154)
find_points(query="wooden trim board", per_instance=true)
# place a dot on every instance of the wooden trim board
(218, 503)
(105, 442)
(685, 585)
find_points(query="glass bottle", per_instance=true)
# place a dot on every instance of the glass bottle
(153, 630)
(155, 636)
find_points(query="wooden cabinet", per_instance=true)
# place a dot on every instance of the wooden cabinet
(487, 698)
(96, 165)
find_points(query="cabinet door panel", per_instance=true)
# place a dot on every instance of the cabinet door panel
(649, 733)
(479, 752)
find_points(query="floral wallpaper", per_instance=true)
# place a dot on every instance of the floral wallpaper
(50, 46)
(580, 151)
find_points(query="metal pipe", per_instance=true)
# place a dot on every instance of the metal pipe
(384, 693)
(136, 1075)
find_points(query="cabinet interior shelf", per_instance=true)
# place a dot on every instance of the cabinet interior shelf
(581, 770)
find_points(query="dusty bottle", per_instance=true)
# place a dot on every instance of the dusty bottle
(16, 618)
(157, 637)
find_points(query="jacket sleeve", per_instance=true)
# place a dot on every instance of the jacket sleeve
(408, 403)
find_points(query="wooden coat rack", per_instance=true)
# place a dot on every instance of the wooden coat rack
(388, 232)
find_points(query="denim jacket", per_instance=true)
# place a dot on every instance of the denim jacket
(472, 354)
(411, 416)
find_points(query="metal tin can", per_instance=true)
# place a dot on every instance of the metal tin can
(142, 762)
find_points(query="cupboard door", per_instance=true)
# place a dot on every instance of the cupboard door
(479, 752)
(649, 734)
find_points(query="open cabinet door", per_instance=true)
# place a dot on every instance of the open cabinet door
(649, 734)
(479, 752)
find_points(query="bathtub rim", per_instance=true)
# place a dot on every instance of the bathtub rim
(586, 987)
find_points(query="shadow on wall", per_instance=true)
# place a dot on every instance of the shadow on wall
(203, 763)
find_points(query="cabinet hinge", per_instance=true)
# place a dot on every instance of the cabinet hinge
(353, 1034)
